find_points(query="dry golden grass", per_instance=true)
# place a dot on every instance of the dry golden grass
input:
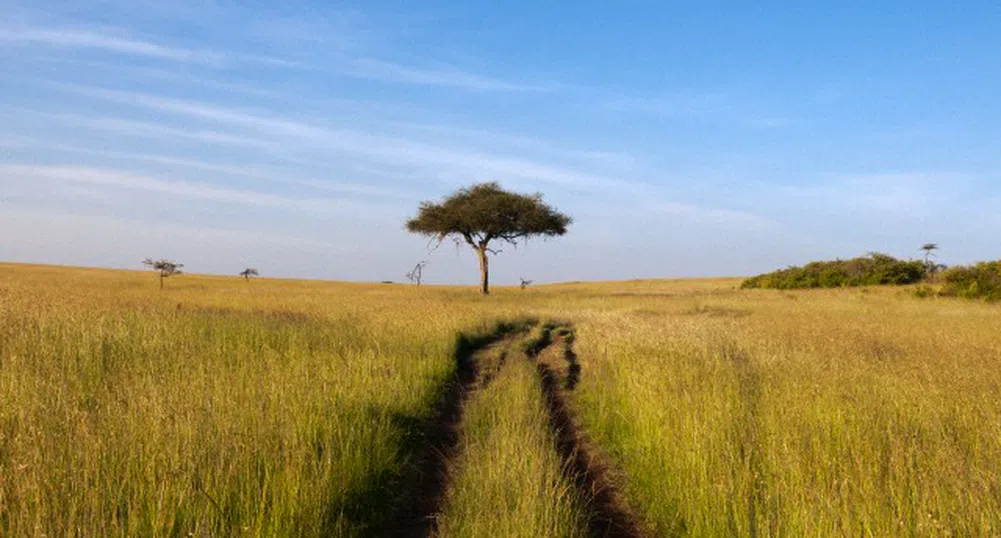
(819, 413)
(280, 407)
(217, 407)
(508, 478)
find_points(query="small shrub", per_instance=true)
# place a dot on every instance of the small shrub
(923, 292)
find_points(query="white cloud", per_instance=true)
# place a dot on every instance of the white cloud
(724, 107)
(64, 238)
(717, 217)
(86, 39)
(146, 129)
(679, 104)
(114, 178)
(881, 195)
(271, 175)
(470, 164)
(445, 76)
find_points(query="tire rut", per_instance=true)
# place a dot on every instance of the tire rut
(608, 516)
(416, 515)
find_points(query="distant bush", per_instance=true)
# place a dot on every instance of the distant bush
(924, 291)
(874, 269)
(982, 280)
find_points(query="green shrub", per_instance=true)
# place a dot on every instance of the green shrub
(874, 269)
(923, 292)
(982, 280)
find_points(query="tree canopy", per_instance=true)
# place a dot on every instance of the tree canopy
(165, 268)
(485, 212)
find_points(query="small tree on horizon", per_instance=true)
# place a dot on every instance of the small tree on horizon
(929, 249)
(525, 283)
(483, 213)
(248, 272)
(165, 268)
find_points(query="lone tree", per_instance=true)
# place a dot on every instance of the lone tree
(525, 283)
(166, 268)
(417, 273)
(929, 249)
(483, 213)
(248, 272)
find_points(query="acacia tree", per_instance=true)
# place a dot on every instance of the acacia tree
(248, 272)
(165, 268)
(929, 249)
(483, 213)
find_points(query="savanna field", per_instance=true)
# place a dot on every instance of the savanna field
(225, 407)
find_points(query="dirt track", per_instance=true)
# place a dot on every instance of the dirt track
(416, 516)
(477, 362)
(608, 515)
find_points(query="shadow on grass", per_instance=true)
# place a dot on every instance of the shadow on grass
(406, 502)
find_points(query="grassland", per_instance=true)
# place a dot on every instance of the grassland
(220, 407)
(508, 478)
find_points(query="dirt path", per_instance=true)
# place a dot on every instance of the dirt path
(477, 363)
(474, 371)
(560, 371)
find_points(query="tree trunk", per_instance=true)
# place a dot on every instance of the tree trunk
(161, 281)
(484, 270)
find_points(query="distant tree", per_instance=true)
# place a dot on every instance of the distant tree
(248, 272)
(929, 249)
(165, 268)
(525, 283)
(417, 273)
(485, 212)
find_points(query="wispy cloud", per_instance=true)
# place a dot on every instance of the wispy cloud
(678, 104)
(116, 42)
(114, 178)
(882, 195)
(469, 163)
(278, 177)
(709, 105)
(88, 39)
(145, 129)
(716, 217)
(78, 238)
(908, 194)
(598, 158)
(444, 76)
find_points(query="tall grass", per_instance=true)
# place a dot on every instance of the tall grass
(508, 479)
(220, 407)
(807, 414)
(217, 407)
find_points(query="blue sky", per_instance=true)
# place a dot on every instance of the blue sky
(686, 139)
